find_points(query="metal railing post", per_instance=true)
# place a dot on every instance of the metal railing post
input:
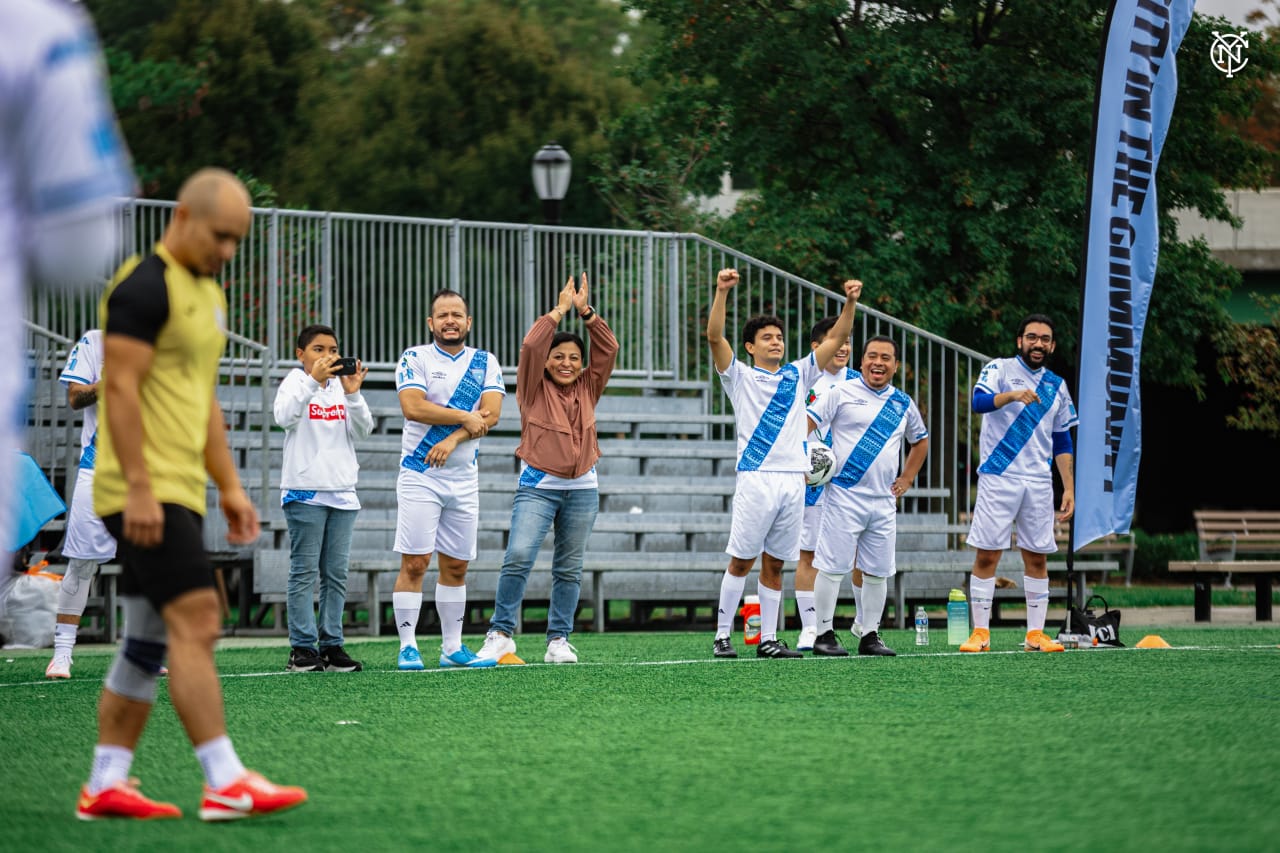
(273, 282)
(646, 305)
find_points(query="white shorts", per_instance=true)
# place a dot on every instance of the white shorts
(768, 512)
(1002, 501)
(437, 513)
(855, 525)
(87, 537)
(812, 524)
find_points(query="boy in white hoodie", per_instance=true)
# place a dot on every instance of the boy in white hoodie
(323, 414)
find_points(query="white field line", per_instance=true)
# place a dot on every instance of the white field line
(693, 662)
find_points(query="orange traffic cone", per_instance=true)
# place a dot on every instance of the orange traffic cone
(510, 659)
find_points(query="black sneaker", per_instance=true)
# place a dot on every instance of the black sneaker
(302, 659)
(775, 649)
(336, 659)
(724, 648)
(828, 646)
(871, 644)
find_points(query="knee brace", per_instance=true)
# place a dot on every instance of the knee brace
(73, 592)
(137, 665)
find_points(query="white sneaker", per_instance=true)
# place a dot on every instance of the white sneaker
(807, 636)
(59, 667)
(856, 629)
(559, 651)
(496, 644)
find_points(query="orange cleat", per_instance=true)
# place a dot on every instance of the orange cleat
(1039, 641)
(251, 794)
(979, 641)
(123, 800)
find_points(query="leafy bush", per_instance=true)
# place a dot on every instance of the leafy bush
(1156, 550)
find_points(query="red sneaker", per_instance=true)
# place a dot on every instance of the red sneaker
(123, 800)
(251, 794)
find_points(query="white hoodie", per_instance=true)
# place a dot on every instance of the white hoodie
(321, 426)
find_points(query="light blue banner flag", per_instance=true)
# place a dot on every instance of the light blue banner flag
(1137, 85)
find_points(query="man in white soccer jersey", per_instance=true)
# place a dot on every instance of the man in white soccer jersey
(837, 371)
(62, 167)
(451, 394)
(1027, 415)
(768, 498)
(868, 420)
(87, 542)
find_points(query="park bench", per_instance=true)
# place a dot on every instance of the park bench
(1225, 535)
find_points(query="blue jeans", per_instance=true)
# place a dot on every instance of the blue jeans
(319, 550)
(534, 511)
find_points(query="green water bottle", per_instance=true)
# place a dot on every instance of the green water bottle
(957, 618)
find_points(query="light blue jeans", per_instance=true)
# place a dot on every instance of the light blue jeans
(573, 512)
(319, 550)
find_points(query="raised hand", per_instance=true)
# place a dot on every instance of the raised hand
(351, 384)
(727, 279)
(580, 297)
(853, 289)
(566, 297)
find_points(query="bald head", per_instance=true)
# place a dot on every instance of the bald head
(211, 219)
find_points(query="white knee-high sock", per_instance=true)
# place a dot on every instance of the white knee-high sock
(1037, 593)
(981, 591)
(826, 590)
(407, 606)
(874, 593)
(805, 605)
(730, 594)
(451, 604)
(857, 601)
(770, 604)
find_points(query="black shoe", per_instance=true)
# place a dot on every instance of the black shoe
(724, 648)
(302, 659)
(336, 659)
(828, 646)
(871, 644)
(775, 649)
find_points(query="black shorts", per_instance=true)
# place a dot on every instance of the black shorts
(178, 565)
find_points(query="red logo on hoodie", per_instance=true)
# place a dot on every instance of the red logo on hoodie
(317, 412)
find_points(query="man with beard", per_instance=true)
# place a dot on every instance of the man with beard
(868, 420)
(451, 394)
(1027, 416)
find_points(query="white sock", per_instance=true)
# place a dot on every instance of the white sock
(826, 589)
(981, 591)
(805, 605)
(451, 604)
(1037, 593)
(857, 600)
(407, 606)
(874, 593)
(730, 594)
(770, 604)
(110, 765)
(64, 637)
(221, 764)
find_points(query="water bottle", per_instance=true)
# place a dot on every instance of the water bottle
(957, 618)
(922, 627)
(751, 620)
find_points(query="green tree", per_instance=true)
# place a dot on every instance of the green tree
(939, 151)
(445, 122)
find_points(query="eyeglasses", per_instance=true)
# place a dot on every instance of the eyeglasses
(1037, 339)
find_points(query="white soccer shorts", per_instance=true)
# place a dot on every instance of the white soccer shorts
(856, 525)
(437, 512)
(87, 537)
(768, 512)
(812, 524)
(1004, 501)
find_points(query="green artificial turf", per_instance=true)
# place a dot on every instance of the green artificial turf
(648, 744)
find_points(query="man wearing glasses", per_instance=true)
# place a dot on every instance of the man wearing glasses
(1027, 417)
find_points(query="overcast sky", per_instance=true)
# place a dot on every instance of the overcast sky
(1234, 10)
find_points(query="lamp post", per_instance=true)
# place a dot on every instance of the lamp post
(552, 167)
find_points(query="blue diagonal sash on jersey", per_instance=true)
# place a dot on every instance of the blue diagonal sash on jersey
(464, 399)
(90, 455)
(812, 493)
(1023, 426)
(873, 440)
(775, 415)
(530, 477)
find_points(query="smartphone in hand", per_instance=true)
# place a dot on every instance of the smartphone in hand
(347, 367)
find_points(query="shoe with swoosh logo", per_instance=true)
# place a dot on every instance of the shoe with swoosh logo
(251, 794)
(123, 799)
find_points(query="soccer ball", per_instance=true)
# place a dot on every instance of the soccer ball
(822, 465)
